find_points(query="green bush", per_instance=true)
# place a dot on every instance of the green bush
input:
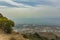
(6, 24)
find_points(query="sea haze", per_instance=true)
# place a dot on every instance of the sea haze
(45, 21)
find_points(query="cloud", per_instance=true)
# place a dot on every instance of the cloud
(12, 3)
(34, 2)
(22, 9)
(29, 3)
(3, 6)
(41, 11)
(30, 9)
(56, 2)
(3, 3)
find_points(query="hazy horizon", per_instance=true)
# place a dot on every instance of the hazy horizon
(31, 11)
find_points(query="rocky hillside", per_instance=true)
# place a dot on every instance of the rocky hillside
(7, 32)
(41, 36)
(29, 36)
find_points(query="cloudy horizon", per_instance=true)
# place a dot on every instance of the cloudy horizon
(17, 9)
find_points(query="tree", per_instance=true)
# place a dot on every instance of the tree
(6, 24)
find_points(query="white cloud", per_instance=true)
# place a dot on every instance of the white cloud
(16, 4)
(3, 6)
(13, 3)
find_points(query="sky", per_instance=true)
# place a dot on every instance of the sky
(30, 8)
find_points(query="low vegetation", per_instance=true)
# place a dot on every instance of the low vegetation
(12, 38)
(34, 36)
(6, 24)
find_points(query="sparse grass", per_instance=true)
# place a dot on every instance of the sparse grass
(25, 36)
(12, 38)
(34, 36)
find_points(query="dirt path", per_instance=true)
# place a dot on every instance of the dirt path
(8, 37)
(4, 37)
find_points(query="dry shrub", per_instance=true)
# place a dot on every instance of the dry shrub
(12, 38)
